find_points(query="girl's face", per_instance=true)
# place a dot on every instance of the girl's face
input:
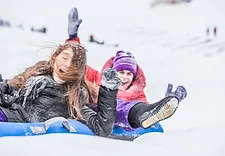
(126, 77)
(62, 63)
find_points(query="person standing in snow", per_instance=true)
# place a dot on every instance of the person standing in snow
(1, 78)
(132, 109)
(215, 31)
(41, 30)
(58, 88)
(93, 40)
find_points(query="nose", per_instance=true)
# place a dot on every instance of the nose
(123, 77)
(67, 64)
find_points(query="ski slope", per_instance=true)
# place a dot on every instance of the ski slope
(168, 41)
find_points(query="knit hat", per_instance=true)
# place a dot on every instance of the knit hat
(125, 61)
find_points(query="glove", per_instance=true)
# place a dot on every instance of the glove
(7, 100)
(110, 79)
(180, 93)
(5, 88)
(74, 23)
(33, 87)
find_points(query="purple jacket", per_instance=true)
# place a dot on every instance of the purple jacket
(122, 111)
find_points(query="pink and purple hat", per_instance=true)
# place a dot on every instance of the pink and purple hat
(125, 61)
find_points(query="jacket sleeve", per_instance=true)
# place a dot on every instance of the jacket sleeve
(92, 75)
(101, 123)
(131, 95)
(75, 39)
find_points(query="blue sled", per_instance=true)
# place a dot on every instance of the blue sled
(65, 126)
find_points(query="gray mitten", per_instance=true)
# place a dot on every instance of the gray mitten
(7, 100)
(5, 88)
(110, 79)
(74, 23)
(180, 93)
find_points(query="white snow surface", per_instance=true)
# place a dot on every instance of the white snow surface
(166, 41)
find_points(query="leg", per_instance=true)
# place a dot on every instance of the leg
(144, 115)
(136, 111)
(2, 116)
(16, 113)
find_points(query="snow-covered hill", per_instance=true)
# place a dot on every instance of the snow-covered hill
(168, 42)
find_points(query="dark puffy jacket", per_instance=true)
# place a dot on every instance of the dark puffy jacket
(42, 99)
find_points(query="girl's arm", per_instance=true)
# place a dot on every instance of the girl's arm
(92, 75)
(101, 123)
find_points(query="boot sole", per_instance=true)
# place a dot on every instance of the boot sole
(166, 111)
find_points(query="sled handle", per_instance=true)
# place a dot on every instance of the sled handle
(65, 123)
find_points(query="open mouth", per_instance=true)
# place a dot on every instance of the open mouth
(123, 83)
(62, 71)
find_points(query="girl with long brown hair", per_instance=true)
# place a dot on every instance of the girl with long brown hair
(58, 88)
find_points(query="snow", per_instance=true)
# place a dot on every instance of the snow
(158, 37)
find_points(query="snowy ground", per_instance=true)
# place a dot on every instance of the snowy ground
(168, 43)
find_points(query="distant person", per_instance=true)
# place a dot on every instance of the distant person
(92, 39)
(1, 22)
(187, 1)
(5, 23)
(1, 78)
(41, 30)
(215, 31)
(158, 2)
(207, 31)
(212, 30)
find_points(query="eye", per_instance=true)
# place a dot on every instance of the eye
(64, 57)
(130, 74)
(121, 72)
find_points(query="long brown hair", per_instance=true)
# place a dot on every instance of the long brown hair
(75, 80)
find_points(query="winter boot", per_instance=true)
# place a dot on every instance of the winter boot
(162, 110)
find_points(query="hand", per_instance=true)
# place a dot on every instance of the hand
(33, 87)
(180, 93)
(74, 23)
(5, 88)
(7, 100)
(110, 79)
(37, 89)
